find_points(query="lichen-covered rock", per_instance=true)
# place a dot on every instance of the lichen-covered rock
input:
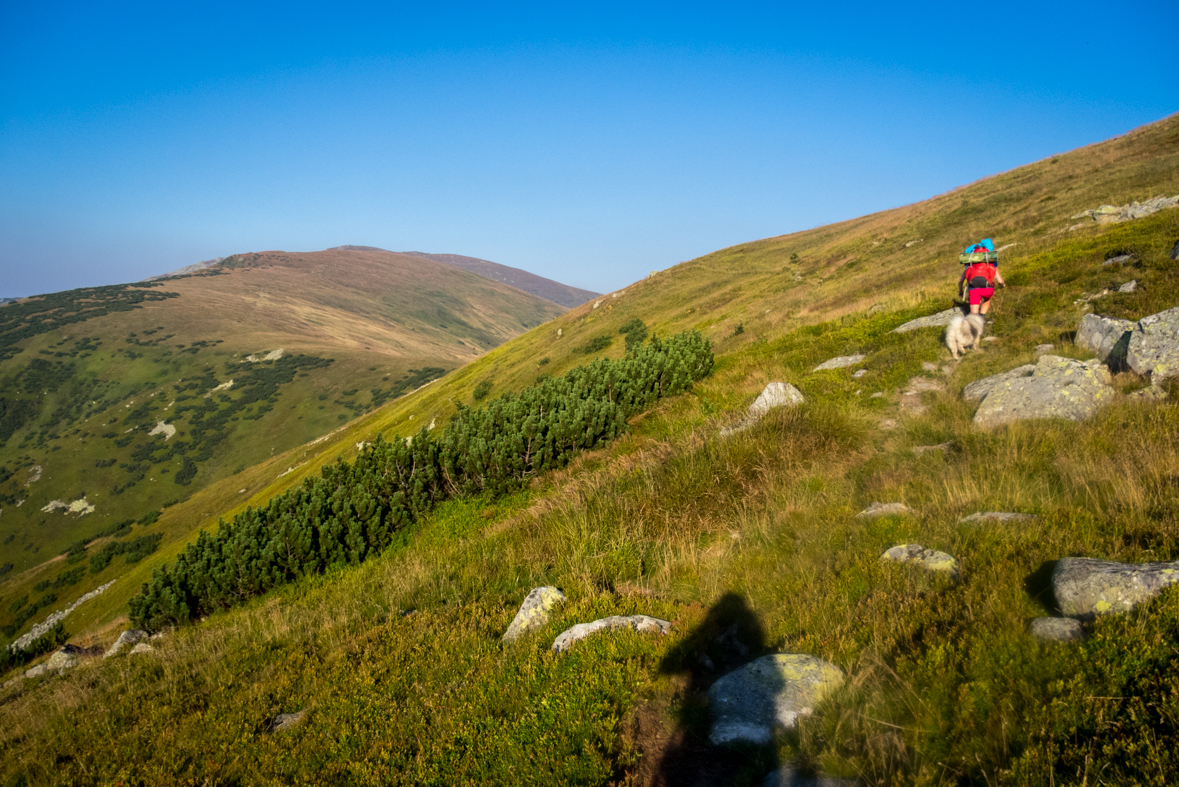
(775, 395)
(1112, 214)
(126, 638)
(1059, 388)
(1085, 588)
(566, 638)
(534, 612)
(977, 390)
(995, 516)
(886, 509)
(1154, 346)
(842, 362)
(939, 320)
(773, 691)
(1057, 629)
(1106, 337)
(64, 658)
(930, 559)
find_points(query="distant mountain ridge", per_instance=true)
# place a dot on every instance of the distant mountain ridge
(554, 291)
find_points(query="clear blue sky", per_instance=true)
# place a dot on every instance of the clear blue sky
(589, 145)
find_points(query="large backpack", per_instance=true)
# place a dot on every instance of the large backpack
(981, 274)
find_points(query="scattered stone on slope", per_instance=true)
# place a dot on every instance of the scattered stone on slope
(1059, 388)
(1044, 348)
(64, 658)
(977, 390)
(887, 424)
(841, 362)
(129, 637)
(573, 634)
(1121, 259)
(534, 612)
(930, 559)
(142, 647)
(1111, 214)
(995, 516)
(1152, 393)
(859, 373)
(886, 509)
(939, 320)
(162, 427)
(1057, 629)
(787, 776)
(1154, 346)
(775, 395)
(921, 449)
(929, 366)
(1106, 337)
(773, 691)
(52, 620)
(284, 721)
(1130, 286)
(1085, 587)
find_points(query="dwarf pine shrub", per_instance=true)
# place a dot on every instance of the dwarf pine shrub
(352, 511)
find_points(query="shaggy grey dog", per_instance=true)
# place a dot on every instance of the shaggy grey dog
(965, 331)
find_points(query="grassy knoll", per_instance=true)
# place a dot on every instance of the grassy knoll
(400, 668)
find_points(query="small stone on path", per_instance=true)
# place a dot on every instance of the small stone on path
(939, 320)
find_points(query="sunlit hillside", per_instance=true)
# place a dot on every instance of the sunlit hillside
(746, 543)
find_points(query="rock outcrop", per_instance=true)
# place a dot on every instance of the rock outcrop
(52, 620)
(1113, 214)
(1057, 629)
(566, 638)
(1086, 588)
(775, 395)
(1107, 338)
(1059, 388)
(930, 559)
(886, 509)
(129, 637)
(939, 320)
(773, 691)
(1154, 346)
(842, 362)
(534, 612)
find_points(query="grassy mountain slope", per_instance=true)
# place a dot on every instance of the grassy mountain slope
(240, 362)
(945, 686)
(548, 289)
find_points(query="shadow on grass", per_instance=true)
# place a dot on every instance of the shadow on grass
(730, 636)
(1038, 585)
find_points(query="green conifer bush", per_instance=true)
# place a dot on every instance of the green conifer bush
(352, 510)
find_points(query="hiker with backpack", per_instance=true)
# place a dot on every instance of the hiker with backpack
(980, 275)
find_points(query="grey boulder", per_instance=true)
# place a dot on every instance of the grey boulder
(1154, 346)
(1057, 629)
(285, 721)
(573, 634)
(1106, 337)
(774, 691)
(775, 394)
(977, 390)
(1059, 388)
(534, 612)
(1086, 588)
(129, 637)
(939, 320)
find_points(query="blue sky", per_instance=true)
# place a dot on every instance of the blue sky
(590, 145)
